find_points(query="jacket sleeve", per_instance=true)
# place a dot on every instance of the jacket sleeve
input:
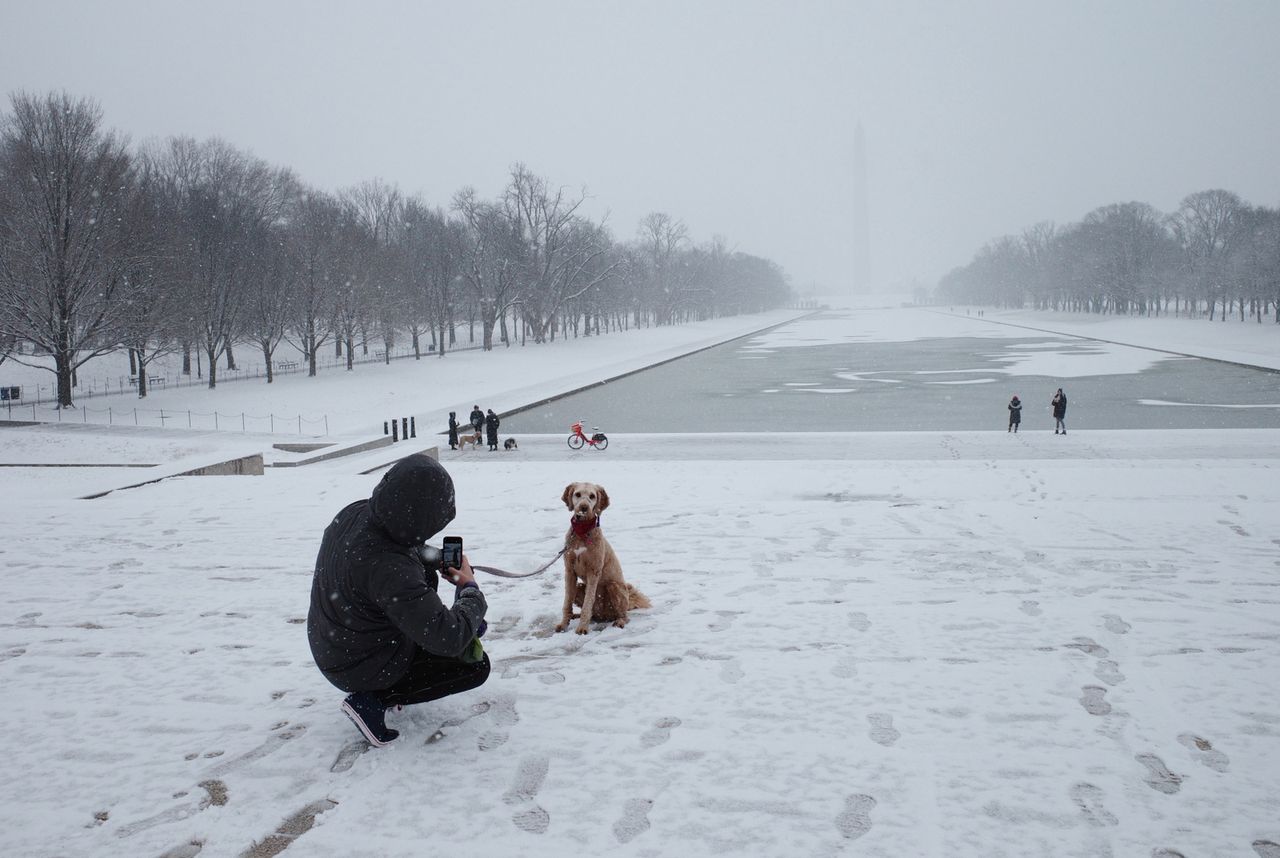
(416, 609)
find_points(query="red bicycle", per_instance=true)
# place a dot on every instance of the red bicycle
(577, 438)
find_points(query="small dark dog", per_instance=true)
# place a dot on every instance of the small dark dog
(510, 444)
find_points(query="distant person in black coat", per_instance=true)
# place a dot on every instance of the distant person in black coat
(1059, 403)
(453, 430)
(1015, 414)
(491, 424)
(477, 420)
(377, 627)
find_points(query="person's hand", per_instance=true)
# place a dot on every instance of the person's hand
(460, 577)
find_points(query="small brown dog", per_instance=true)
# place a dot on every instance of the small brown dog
(465, 438)
(592, 574)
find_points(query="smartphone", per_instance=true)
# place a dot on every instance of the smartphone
(451, 553)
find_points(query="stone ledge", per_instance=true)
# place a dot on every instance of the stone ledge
(384, 441)
(250, 465)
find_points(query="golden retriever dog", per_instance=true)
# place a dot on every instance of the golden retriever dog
(592, 574)
(465, 438)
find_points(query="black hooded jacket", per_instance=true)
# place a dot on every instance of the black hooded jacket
(372, 599)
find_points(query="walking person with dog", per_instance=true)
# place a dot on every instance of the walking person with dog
(377, 626)
(1059, 403)
(453, 430)
(491, 423)
(1015, 414)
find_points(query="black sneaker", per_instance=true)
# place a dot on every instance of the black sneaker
(366, 712)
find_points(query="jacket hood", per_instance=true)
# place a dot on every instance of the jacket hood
(414, 500)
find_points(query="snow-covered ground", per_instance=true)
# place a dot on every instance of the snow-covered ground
(950, 644)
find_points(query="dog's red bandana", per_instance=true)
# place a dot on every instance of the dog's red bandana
(583, 528)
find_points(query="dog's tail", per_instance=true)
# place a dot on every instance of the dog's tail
(636, 599)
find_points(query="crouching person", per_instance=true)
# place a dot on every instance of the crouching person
(377, 627)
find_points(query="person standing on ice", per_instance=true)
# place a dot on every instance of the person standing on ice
(1059, 403)
(1015, 413)
(491, 424)
(377, 627)
(453, 430)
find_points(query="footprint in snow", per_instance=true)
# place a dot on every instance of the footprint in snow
(1087, 645)
(504, 715)
(294, 826)
(855, 820)
(731, 672)
(1093, 699)
(1159, 777)
(1205, 752)
(634, 821)
(859, 622)
(882, 729)
(1116, 625)
(1109, 672)
(725, 619)
(1031, 608)
(846, 667)
(1089, 799)
(660, 732)
(272, 744)
(1266, 848)
(347, 757)
(530, 775)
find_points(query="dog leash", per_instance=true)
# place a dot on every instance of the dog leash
(502, 573)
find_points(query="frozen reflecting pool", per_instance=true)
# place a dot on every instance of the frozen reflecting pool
(801, 378)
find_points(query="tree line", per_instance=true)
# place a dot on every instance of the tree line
(1215, 257)
(200, 248)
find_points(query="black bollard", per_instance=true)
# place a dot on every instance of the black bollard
(404, 431)
(395, 436)
(385, 429)
(413, 427)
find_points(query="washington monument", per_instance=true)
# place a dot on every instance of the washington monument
(861, 229)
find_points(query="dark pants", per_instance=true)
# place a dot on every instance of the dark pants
(431, 677)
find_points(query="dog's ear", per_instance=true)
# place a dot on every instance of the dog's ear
(568, 490)
(603, 503)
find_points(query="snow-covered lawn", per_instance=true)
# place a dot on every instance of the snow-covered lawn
(950, 644)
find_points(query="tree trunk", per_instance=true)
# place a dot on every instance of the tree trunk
(62, 365)
(212, 353)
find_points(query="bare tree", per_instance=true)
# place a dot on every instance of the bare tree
(493, 258)
(377, 209)
(155, 311)
(312, 247)
(664, 240)
(64, 243)
(562, 248)
(432, 248)
(224, 197)
(1206, 226)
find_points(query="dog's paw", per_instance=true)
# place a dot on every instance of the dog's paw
(583, 629)
(620, 622)
(561, 626)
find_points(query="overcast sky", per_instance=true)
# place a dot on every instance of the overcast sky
(737, 117)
